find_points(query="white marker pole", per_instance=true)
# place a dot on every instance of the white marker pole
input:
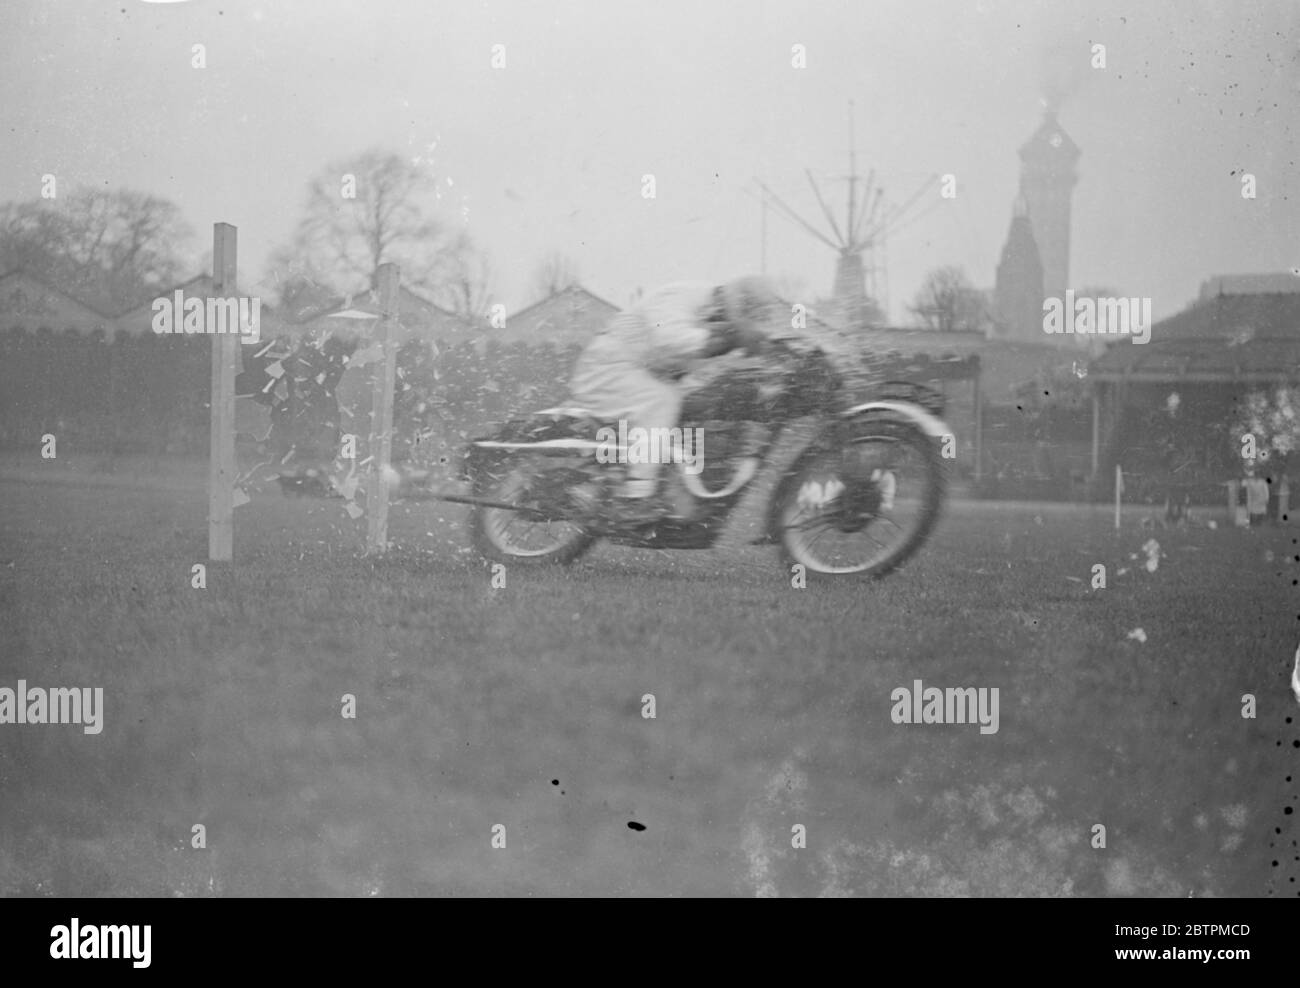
(1119, 489)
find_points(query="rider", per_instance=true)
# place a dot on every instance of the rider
(632, 370)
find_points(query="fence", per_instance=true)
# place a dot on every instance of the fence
(149, 394)
(142, 394)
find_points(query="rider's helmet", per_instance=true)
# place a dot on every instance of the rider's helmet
(747, 307)
(749, 300)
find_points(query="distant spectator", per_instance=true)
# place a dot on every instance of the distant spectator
(1176, 505)
(1256, 498)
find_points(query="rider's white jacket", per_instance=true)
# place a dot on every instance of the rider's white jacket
(664, 332)
(631, 370)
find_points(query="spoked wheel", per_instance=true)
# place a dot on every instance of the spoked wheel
(863, 509)
(540, 535)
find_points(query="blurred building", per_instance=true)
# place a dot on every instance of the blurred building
(29, 303)
(1035, 263)
(138, 320)
(1018, 291)
(1048, 175)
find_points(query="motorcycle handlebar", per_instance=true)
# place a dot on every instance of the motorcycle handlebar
(787, 346)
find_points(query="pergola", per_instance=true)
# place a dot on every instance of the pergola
(1245, 341)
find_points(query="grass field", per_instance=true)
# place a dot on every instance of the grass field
(522, 707)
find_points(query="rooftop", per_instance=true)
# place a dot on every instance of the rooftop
(1248, 337)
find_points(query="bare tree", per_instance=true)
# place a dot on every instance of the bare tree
(360, 213)
(555, 272)
(110, 247)
(949, 303)
(466, 285)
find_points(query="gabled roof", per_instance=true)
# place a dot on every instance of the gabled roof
(314, 301)
(309, 300)
(28, 301)
(317, 308)
(417, 317)
(138, 320)
(574, 295)
(572, 315)
(199, 286)
(407, 296)
(86, 296)
(1224, 338)
(20, 273)
(1249, 284)
(1227, 317)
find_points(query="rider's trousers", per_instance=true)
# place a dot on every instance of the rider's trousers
(619, 389)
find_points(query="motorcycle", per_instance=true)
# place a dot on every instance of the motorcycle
(860, 497)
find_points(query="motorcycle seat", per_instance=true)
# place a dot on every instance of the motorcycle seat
(569, 412)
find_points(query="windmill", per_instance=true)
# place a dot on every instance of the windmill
(861, 274)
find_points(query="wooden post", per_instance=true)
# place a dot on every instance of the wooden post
(114, 429)
(221, 412)
(381, 411)
(977, 400)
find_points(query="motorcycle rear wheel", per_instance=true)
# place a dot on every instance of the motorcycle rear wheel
(518, 538)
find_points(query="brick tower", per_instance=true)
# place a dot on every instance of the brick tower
(1047, 178)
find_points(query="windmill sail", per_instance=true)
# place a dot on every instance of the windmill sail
(859, 285)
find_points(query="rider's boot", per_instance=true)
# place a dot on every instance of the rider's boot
(635, 512)
(639, 503)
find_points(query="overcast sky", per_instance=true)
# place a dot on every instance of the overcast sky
(549, 151)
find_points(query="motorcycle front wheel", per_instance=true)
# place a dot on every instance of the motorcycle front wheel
(861, 508)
